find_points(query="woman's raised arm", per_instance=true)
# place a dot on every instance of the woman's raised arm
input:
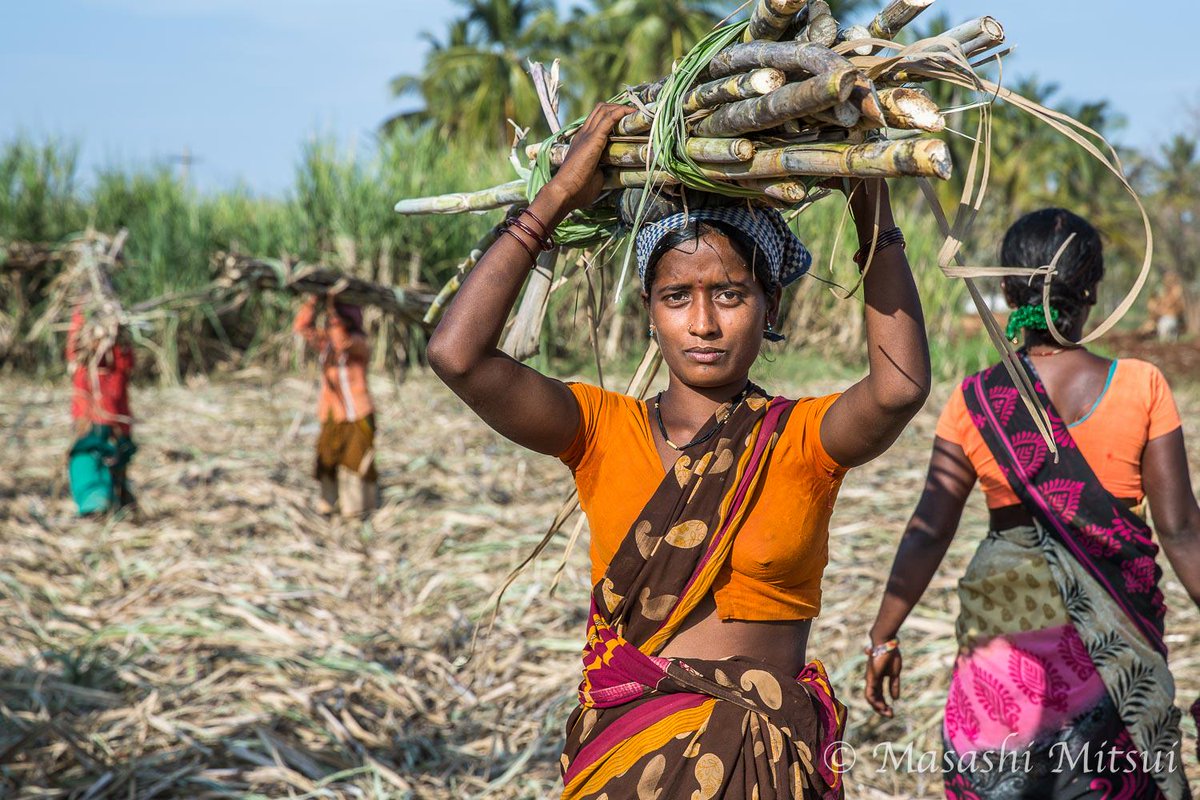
(868, 417)
(517, 401)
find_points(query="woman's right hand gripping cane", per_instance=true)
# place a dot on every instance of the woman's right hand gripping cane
(531, 409)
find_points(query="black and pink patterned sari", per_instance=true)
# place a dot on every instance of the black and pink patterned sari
(1061, 687)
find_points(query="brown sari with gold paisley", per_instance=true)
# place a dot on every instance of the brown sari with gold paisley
(654, 728)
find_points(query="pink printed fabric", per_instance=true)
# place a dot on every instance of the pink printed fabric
(1015, 688)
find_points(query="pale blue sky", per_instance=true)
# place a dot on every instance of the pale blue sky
(242, 83)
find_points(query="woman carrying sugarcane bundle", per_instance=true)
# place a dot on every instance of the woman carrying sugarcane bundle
(1061, 686)
(101, 361)
(345, 461)
(708, 506)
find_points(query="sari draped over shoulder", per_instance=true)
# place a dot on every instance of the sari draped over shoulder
(1061, 686)
(653, 727)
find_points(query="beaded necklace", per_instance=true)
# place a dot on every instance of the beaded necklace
(722, 414)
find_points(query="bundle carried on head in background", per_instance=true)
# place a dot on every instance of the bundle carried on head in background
(765, 109)
(85, 283)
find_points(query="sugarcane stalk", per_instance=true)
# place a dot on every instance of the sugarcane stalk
(822, 28)
(635, 154)
(707, 95)
(443, 297)
(984, 41)
(865, 100)
(842, 115)
(789, 102)
(895, 16)
(973, 36)
(524, 336)
(648, 92)
(888, 159)
(638, 123)
(755, 83)
(719, 151)
(770, 18)
(787, 56)
(910, 109)
(639, 178)
(975, 28)
(29, 256)
(853, 34)
(911, 158)
(928, 158)
(458, 202)
(616, 154)
(784, 189)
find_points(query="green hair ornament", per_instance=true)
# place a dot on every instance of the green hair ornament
(1032, 317)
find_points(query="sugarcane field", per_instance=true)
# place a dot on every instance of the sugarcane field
(605, 399)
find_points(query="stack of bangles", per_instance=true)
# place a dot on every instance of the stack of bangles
(541, 241)
(885, 239)
(875, 651)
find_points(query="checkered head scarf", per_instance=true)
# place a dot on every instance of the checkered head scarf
(786, 256)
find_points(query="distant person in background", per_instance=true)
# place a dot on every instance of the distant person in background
(1168, 307)
(101, 361)
(345, 464)
(1061, 650)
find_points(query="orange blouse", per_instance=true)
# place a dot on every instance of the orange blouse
(779, 554)
(1135, 407)
(344, 393)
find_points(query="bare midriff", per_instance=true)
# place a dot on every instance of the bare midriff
(704, 635)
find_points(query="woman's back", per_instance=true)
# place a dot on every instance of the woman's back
(1111, 408)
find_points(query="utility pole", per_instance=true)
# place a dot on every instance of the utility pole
(185, 161)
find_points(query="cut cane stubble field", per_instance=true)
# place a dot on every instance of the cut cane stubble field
(231, 643)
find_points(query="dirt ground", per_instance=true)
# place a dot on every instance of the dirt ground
(228, 642)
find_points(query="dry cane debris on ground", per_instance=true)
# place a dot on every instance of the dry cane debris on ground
(230, 643)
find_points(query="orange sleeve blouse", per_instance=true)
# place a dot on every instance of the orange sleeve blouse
(779, 554)
(1135, 407)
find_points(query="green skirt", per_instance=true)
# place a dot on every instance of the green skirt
(97, 466)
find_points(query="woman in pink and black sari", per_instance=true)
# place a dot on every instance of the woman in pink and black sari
(708, 506)
(1061, 687)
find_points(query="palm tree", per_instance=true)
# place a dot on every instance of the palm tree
(1175, 203)
(621, 42)
(474, 80)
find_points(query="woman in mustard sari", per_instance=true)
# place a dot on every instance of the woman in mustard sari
(709, 505)
(1061, 687)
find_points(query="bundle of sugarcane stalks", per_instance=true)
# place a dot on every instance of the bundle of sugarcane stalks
(85, 283)
(42, 284)
(794, 99)
(238, 275)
